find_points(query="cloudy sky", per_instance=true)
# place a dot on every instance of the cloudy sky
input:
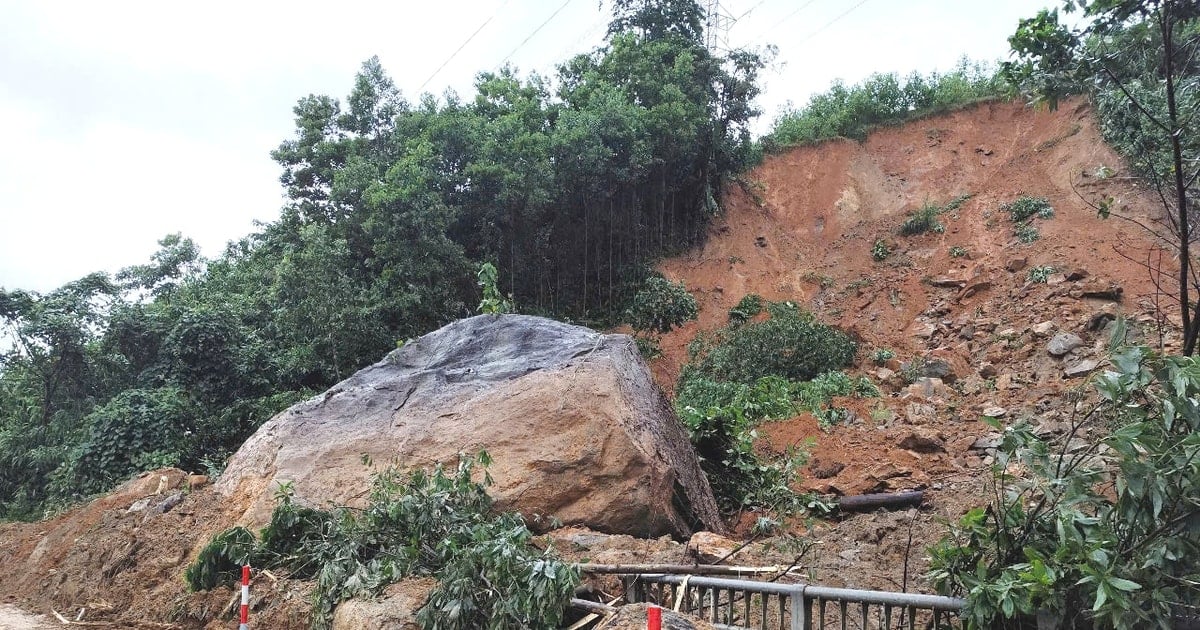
(123, 121)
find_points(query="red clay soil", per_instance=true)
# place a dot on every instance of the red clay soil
(801, 229)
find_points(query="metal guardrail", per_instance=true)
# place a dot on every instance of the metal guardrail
(732, 604)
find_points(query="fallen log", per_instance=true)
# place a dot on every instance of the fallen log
(675, 569)
(889, 500)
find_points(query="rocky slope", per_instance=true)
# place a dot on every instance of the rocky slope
(972, 333)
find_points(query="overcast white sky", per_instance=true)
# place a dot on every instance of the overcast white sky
(123, 121)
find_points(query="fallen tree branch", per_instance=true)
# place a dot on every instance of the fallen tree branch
(890, 500)
(674, 569)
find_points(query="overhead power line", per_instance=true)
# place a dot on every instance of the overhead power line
(831, 22)
(464, 45)
(535, 32)
(785, 19)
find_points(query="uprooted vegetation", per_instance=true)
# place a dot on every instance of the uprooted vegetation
(752, 371)
(425, 523)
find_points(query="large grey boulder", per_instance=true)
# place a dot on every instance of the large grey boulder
(577, 430)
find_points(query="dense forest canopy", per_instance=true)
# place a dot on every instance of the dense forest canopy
(570, 185)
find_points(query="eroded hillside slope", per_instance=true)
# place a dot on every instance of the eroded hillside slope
(801, 227)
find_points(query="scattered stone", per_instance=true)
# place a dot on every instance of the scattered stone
(1063, 343)
(939, 368)
(1075, 275)
(1016, 264)
(919, 413)
(1100, 290)
(987, 370)
(396, 609)
(948, 282)
(923, 330)
(1056, 279)
(1082, 368)
(1004, 381)
(760, 241)
(991, 440)
(823, 469)
(1007, 332)
(995, 411)
(972, 289)
(1048, 427)
(1043, 328)
(1100, 321)
(884, 374)
(927, 388)
(923, 441)
(710, 548)
(967, 332)
(1077, 444)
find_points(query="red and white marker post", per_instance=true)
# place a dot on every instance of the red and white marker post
(244, 614)
(653, 618)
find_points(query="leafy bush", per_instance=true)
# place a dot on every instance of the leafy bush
(1040, 274)
(492, 303)
(880, 250)
(721, 418)
(747, 308)
(789, 344)
(921, 221)
(423, 523)
(882, 99)
(1026, 233)
(1104, 536)
(661, 305)
(958, 252)
(882, 355)
(746, 373)
(138, 429)
(1025, 207)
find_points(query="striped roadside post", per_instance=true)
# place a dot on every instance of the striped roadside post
(244, 614)
(653, 618)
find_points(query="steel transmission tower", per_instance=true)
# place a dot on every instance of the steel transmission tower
(716, 26)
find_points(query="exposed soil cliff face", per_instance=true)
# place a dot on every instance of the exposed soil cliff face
(802, 225)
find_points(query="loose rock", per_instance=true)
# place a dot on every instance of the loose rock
(1080, 369)
(1063, 343)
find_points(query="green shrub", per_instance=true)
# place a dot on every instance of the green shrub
(1026, 233)
(492, 302)
(1104, 536)
(138, 429)
(923, 220)
(1026, 207)
(746, 309)
(882, 355)
(882, 99)
(789, 344)
(660, 306)
(1040, 274)
(220, 561)
(423, 523)
(880, 250)
(958, 252)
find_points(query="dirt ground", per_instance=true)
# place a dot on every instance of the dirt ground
(13, 618)
(800, 227)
